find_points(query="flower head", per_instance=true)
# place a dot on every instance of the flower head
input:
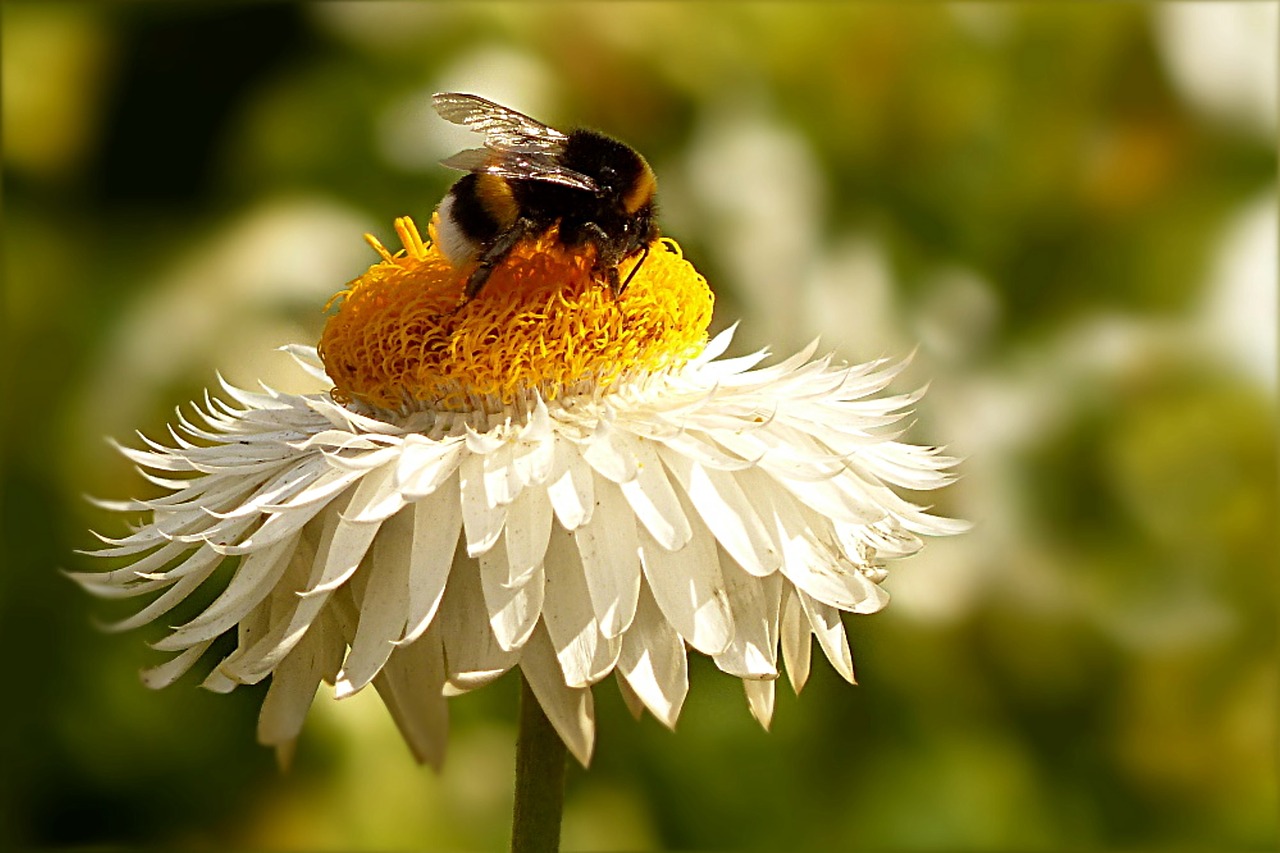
(545, 477)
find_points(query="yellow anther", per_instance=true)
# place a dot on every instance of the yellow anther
(404, 338)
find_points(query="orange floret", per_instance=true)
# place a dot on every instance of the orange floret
(403, 337)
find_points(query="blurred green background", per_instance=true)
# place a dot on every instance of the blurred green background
(1070, 208)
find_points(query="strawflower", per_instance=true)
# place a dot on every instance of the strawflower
(546, 477)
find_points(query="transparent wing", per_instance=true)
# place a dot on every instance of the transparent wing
(502, 127)
(521, 166)
(516, 146)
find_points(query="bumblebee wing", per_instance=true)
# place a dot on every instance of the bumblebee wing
(516, 146)
(502, 127)
(520, 166)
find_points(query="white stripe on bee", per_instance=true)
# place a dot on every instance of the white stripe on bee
(455, 245)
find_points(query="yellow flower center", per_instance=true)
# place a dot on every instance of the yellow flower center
(403, 337)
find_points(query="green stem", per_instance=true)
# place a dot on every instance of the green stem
(540, 762)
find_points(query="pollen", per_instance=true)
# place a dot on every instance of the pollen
(403, 338)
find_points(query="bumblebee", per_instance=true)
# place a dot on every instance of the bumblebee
(529, 178)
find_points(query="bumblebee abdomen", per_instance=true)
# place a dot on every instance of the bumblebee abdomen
(477, 209)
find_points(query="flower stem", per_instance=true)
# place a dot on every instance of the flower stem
(540, 762)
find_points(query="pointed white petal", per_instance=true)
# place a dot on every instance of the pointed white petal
(425, 464)
(528, 526)
(797, 643)
(347, 547)
(755, 603)
(294, 684)
(481, 520)
(411, 686)
(716, 346)
(689, 588)
(760, 700)
(171, 670)
(263, 631)
(728, 512)
(382, 587)
(472, 654)
(376, 498)
(166, 601)
(584, 654)
(571, 493)
(309, 360)
(500, 481)
(513, 605)
(827, 627)
(533, 457)
(606, 451)
(629, 696)
(653, 499)
(570, 709)
(610, 555)
(437, 523)
(653, 661)
(254, 577)
(815, 566)
(340, 549)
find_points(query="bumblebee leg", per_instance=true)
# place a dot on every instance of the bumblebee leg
(494, 255)
(611, 279)
(644, 254)
(605, 268)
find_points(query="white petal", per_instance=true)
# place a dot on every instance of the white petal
(629, 696)
(653, 661)
(534, 454)
(287, 518)
(528, 526)
(760, 700)
(118, 582)
(797, 642)
(827, 627)
(254, 578)
(584, 654)
(437, 522)
(606, 451)
(204, 567)
(309, 360)
(259, 650)
(728, 512)
(815, 566)
(425, 464)
(513, 605)
(171, 670)
(294, 684)
(481, 520)
(343, 552)
(571, 493)
(501, 485)
(376, 498)
(834, 500)
(219, 682)
(716, 346)
(653, 499)
(472, 654)
(570, 709)
(690, 445)
(411, 686)
(341, 548)
(755, 604)
(382, 594)
(689, 588)
(611, 560)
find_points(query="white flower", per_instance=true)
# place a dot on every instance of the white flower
(716, 505)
